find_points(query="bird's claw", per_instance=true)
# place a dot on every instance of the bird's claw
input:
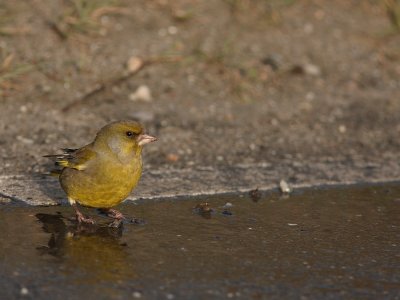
(116, 223)
(119, 218)
(82, 219)
(115, 214)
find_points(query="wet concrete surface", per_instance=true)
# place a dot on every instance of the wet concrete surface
(331, 243)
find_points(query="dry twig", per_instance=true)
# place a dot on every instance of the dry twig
(108, 84)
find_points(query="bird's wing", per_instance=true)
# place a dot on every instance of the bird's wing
(74, 158)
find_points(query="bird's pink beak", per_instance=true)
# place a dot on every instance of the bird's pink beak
(144, 139)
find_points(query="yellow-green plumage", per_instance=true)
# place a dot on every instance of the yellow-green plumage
(103, 173)
(106, 181)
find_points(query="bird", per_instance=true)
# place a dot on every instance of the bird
(103, 173)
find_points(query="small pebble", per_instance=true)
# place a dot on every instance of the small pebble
(182, 15)
(24, 291)
(274, 122)
(137, 295)
(312, 70)
(24, 140)
(255, 195)
(170, 296)
(274, 61)
(134, 63)
(310, 96)
(172, 157)
(308, 28)
(172, 30)
(308, 69)
(142, 93)
(284, 186)
(203, 208)
(342, 128)
(227, 205)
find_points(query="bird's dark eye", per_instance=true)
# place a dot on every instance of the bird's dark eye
(129, 133)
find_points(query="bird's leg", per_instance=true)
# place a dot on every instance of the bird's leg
(80, 217)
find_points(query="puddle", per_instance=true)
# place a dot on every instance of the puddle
(329, 242)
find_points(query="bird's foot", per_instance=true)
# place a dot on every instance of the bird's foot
(82, 219)
(119, 218)
(115, 214)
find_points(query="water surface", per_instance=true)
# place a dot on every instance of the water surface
(338, 242)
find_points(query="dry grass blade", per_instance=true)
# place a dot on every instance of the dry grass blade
(15, 30)
(17, 71)
(57, 30)
(105, 10)
(393, 12)
(7, 63)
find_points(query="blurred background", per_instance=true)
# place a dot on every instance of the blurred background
(224, 82)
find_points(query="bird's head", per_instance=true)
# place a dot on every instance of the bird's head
(123, 137)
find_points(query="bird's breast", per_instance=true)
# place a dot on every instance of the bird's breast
(104, 184)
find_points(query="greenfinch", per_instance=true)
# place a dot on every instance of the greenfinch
(103, 173)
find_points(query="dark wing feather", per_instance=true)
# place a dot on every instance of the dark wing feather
(74, 158)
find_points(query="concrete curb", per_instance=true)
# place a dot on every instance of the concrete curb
(170, 182)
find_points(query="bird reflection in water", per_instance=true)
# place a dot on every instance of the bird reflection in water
(87, 252)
